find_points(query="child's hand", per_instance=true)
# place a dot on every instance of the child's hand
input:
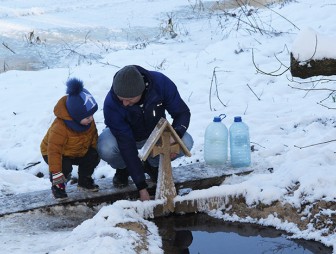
(58, 179)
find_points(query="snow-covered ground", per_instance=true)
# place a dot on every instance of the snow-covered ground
(212, 55)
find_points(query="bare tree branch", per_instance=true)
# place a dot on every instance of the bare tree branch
(270, 73)
(32, 164)
(301, 147)
(325, 106)
(278, 14)
(6, 46)
(214, 81)
(253, 92)
(311, 89)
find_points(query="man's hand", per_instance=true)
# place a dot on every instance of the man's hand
(173, 156)
(144, 195)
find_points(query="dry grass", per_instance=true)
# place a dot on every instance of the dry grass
(231, 4)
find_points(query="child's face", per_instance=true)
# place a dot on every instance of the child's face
(87, 120)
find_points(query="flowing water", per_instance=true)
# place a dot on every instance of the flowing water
(202, 234)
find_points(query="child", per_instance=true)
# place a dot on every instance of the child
(72, 139)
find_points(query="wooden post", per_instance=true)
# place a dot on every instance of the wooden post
(165, 184)
(164, 141)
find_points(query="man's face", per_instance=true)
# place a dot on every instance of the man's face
(129, 101)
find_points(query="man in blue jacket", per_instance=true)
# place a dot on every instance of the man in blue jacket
(132, 108)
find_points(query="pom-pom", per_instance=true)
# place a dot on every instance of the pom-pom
(74, 86)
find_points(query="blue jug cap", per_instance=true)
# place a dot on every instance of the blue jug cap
(237, 119)
(219, 118)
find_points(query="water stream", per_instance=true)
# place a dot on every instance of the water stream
(202, 234)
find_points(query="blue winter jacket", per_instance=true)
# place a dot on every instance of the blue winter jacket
(135, 123)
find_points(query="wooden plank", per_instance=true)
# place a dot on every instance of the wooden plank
(153, 139)
(178, 140)
(162, 125)
(193, 176)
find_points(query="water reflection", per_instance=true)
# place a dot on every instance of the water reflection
(200, 234)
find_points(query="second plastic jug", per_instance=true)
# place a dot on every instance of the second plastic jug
(216, 142)
(240, 151)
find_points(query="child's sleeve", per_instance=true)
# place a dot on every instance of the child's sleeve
(95, 136)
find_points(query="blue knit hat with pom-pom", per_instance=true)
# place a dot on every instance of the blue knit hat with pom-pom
(80, 103)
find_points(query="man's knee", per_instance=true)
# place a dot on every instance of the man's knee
(107, 146)
(104, 150)
(188, 140)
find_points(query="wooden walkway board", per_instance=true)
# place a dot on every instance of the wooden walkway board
(194, 176)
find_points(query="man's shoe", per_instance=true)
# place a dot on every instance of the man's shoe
(87, 184)
(120, 179)
(58, 192)
(151, 171)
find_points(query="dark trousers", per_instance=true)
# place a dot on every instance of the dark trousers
(86, 164)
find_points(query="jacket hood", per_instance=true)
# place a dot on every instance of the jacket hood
(60, 109)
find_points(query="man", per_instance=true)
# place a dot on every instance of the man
(132, 108)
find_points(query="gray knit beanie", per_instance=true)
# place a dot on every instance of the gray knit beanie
(128, 82)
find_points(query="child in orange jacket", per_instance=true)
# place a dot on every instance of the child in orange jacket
(72, 140)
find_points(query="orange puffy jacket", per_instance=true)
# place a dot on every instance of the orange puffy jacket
(60, 140)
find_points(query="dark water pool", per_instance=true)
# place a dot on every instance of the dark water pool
(202, 234)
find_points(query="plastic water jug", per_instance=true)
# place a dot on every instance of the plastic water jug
(216, 142)
(240, 151)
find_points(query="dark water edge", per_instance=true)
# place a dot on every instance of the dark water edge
(203, 234)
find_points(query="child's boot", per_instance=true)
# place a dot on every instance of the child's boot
(87, 183)
(58, 191)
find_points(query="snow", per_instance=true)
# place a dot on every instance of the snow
(311, 45)
(213, 62)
